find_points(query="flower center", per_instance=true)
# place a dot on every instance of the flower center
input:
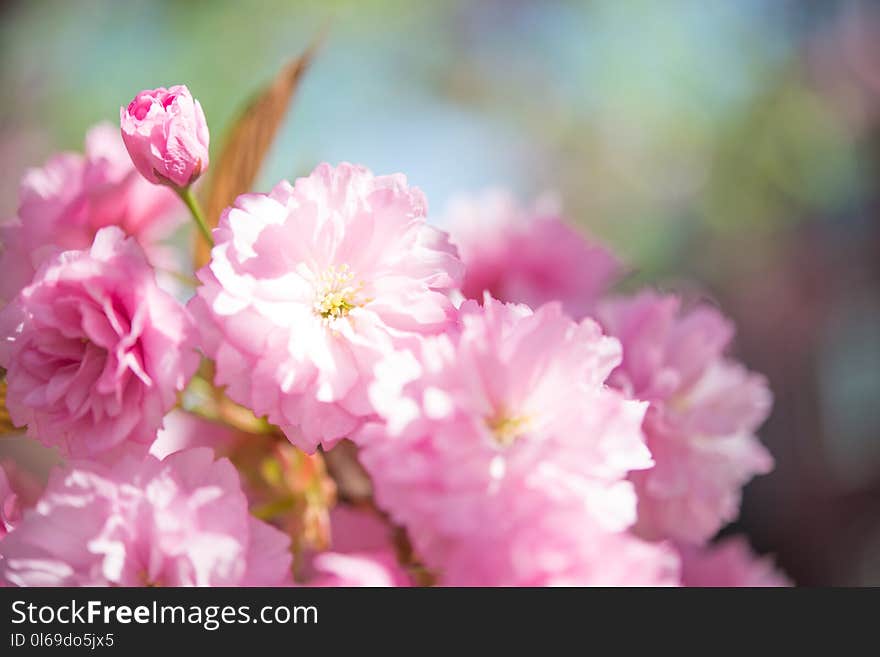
(147, 582)
(507, 428)
(337, 293)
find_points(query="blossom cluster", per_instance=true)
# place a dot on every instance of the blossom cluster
(517, 421)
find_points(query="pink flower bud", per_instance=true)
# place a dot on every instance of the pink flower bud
(166, 135)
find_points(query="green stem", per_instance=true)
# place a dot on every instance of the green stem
(187, 197)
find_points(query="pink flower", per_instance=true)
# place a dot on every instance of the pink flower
(10, 505)
(558, 547)
(730, 562)
(502, 451)
(166, 135)
(704, 411)
(362, 570)
(529, 256)
(63, 204)
(117, 196)
(183, 430)
(95, 352)
(310, 285)
(19, 491)
(179, 522)
(361, 553)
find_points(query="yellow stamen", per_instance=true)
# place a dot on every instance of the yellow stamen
(507, 428)
(334, 305)
(147, 582)
(337, 294)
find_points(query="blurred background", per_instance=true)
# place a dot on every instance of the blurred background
(735, 145)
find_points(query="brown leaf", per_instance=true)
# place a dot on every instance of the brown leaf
(248, 141)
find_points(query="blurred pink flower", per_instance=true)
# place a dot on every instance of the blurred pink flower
(361, 553)
(529, 256)
(118, 196)
(704, 411)
(95, 352)
(310, 285)
(19, 490)
(64, 203)
(166, 135)
(359, 530)
(10, 506)
(557, 546)
(730, 562)
(487, 433)
(179, 522)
